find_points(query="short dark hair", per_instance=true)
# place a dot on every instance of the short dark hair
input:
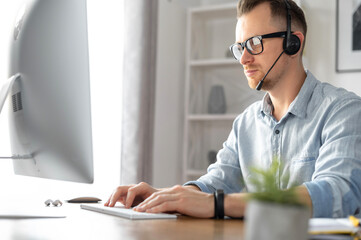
(278, 10)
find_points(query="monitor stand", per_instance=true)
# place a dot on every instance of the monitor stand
(3, 95)
(5, 89)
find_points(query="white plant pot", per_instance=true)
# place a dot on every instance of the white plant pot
(274, 221)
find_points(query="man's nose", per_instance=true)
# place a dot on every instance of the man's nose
(246, 57)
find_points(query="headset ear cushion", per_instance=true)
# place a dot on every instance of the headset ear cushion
(293, 46)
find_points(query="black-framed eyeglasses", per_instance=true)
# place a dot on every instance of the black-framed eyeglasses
(253, 45)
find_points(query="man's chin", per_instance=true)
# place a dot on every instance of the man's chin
(252, 83)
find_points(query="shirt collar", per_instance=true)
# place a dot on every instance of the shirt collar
(267, 105)
(299, 105)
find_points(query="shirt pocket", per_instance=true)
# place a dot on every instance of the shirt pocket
(302, 169)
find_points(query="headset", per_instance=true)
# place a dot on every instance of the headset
(291, 43)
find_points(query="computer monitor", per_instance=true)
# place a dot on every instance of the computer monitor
(49, 113)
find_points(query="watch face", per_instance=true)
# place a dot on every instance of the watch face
(19, 21)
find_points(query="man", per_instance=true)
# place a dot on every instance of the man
(312, 127)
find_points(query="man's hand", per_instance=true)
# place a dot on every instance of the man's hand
(130, 195)
(182, 199)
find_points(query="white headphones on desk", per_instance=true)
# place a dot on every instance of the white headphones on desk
(56, 203)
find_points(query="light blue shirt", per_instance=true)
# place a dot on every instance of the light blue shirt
(318, 143)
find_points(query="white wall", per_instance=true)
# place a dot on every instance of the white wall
(320, 51)
(105, 50)
(170, 77)
(321, 45)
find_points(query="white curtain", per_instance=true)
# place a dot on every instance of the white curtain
(138, 90)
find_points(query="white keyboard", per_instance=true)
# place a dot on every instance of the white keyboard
(126, 213)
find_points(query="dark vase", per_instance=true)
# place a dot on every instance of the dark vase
(212, 157)
(217, 100)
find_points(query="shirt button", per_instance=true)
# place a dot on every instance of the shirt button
(277, 131)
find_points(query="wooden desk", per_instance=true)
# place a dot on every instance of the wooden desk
(84, 224)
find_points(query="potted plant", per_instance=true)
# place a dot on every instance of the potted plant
(273, 213)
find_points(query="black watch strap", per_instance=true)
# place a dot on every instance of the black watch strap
(219, 204)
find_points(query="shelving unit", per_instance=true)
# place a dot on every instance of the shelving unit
(210, 32)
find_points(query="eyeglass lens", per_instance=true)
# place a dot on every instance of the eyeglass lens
(253, 45)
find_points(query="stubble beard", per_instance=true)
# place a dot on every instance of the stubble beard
(268, 83)
(272, 79)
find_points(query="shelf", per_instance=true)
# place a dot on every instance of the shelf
(216, 11)
(210, 32)
(214, 62)
(211, 117)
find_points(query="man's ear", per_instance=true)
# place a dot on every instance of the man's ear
(302, 41)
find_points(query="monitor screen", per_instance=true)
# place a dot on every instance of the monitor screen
(49, 113)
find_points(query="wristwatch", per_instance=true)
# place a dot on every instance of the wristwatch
(219, 204)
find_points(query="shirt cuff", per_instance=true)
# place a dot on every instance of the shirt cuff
(201, 186)
(322, 198)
